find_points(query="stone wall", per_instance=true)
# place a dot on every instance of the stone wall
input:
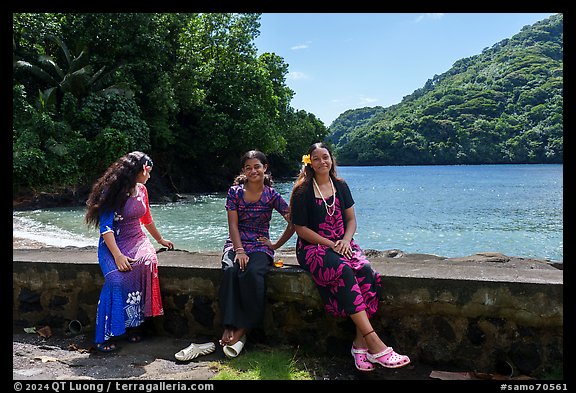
(478, 313)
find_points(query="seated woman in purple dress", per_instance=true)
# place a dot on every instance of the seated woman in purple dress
(323, 216)
(248, 252)
(118, 206)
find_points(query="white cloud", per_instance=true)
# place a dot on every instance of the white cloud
(306, 45)
(420, 18)
(367, 100)
(296, 75)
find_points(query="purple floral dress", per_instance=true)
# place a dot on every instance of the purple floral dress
(243, 293)
(346, 285)
(127, 298)
(254, 217)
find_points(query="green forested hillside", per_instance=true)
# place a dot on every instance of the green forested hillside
(504, 105)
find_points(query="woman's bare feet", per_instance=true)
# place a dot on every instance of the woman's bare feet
(227, 336)
(238, 333)
(373, 342)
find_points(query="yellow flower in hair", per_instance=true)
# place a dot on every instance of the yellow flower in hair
(306, 159)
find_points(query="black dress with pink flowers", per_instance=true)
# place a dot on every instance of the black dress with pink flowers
(346, 285)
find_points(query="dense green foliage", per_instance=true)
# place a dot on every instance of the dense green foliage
(504, 105)
(191, 91)
(188, 89)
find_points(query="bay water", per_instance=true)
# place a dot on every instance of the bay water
(450, 211)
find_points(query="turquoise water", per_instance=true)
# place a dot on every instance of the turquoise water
(450, 211)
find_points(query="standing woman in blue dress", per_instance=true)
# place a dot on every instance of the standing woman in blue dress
(324, 219)
(118, 206)
(248, 252)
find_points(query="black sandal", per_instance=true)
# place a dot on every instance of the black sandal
(106, 347)
(134, 336)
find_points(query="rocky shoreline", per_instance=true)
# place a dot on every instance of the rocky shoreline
(19, 243)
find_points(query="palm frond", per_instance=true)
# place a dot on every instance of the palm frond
(35, 70)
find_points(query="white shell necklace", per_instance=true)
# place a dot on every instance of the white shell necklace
(330, 208)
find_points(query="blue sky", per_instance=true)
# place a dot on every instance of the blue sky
(341, 61)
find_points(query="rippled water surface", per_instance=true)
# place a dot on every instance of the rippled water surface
(450, 211)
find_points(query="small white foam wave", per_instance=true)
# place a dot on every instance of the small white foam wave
(50, 235)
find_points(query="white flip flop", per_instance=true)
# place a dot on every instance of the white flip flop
(194, 350)
(234, 350)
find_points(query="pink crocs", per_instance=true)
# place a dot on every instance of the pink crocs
(388, 358)
(360, 361)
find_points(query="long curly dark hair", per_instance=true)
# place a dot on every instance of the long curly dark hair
(112, 189)
(241, 178)
(307, 173)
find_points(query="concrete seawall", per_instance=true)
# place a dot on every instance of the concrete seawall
(478, 312)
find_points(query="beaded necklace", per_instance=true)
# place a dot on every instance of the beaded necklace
(330, 208)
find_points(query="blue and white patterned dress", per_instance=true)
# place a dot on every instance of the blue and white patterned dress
(127, 298)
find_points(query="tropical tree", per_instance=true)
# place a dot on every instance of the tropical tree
(76, 77)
